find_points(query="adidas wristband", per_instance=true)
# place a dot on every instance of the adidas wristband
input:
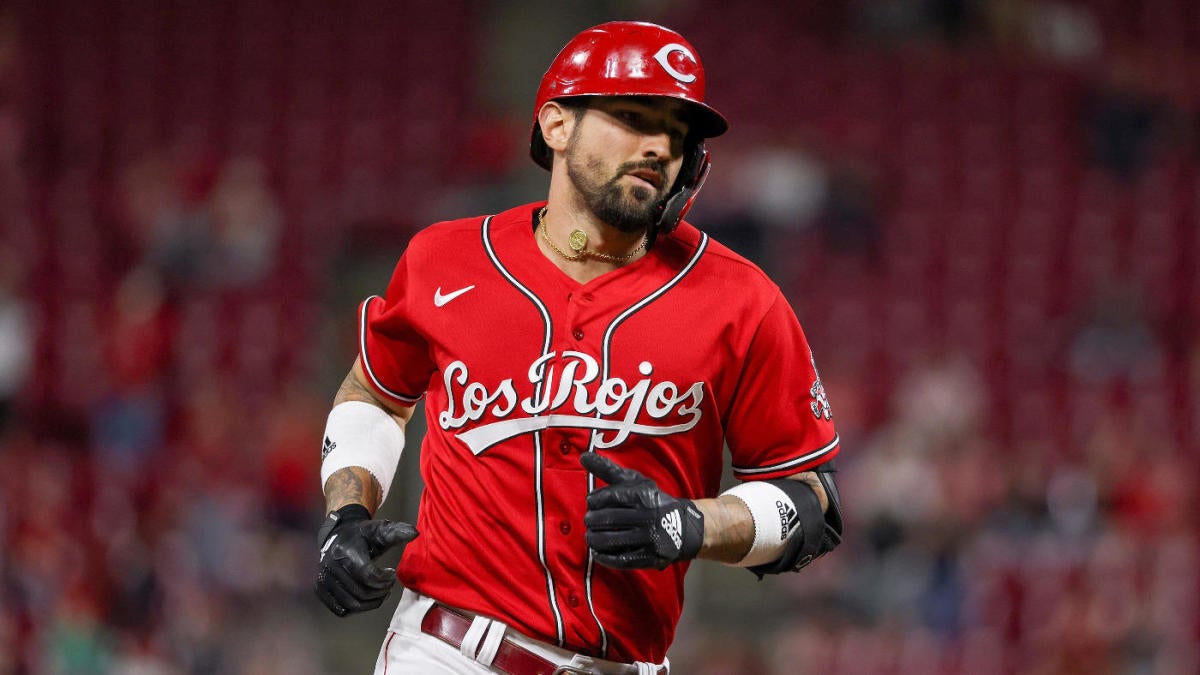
(774, 516)
(363, 435)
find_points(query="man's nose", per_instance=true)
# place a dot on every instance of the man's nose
(657, 144)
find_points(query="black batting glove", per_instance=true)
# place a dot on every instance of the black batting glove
(348, 580)
(632, 524)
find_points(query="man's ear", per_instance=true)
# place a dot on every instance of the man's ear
(556, 123)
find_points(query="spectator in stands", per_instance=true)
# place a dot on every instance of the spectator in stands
(1115, 338)
(950, 21)
(171, 232)
(129, 422)
(1125, 121)
(955, 20)
(246, 221)
(203, 227)
(16, 336)
(849, 221)
(776, 192)
(1064, 32)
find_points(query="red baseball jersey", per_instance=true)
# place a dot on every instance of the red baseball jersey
(657, 364)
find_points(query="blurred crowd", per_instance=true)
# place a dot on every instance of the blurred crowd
(169, 324)
(973, 556)
(154, 481)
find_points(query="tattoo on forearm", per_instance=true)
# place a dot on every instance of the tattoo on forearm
(728, 529)
(352, 390)
(810, 479)
(352, 485)
(344, 483)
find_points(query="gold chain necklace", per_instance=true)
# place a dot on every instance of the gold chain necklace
(578, 243)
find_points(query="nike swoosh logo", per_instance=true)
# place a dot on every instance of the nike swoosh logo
(440, 300)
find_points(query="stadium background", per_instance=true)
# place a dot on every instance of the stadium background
(985, 213)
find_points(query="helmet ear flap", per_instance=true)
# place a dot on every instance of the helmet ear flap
(692, 174)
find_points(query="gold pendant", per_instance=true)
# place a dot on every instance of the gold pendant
(577, 241)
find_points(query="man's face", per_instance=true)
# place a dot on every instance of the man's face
(623, 156)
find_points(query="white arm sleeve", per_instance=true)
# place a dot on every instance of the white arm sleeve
(363, 435)
(774, 520)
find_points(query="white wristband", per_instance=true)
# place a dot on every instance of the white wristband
(363, 435)
(774, 520)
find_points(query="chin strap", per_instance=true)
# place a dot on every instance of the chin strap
(696, 164)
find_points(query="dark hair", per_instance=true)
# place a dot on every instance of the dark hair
(576, 104)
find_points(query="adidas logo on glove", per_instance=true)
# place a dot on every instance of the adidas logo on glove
(673, 524)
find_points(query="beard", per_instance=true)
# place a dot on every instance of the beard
(630, 211)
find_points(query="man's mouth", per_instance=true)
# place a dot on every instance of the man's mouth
(650, 176)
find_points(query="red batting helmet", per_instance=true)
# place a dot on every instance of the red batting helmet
(626, 58)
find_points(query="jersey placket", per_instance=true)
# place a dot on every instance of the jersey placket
(576, 331)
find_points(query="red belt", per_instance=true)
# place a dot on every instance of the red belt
(451, 627)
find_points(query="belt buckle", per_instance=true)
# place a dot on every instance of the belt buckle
(571, 670)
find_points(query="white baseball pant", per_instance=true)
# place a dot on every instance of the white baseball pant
(406, 649)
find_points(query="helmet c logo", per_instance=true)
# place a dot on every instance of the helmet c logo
(665, 52)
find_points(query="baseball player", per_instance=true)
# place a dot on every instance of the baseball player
(584, 361)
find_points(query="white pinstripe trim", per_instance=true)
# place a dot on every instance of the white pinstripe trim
(612, 327)
(607, 343)
(362, 348)
(790, 463)
(551, 590)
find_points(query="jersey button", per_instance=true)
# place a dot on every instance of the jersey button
(565, 448)
(578, 334)
(572, 599)
(564, 527)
